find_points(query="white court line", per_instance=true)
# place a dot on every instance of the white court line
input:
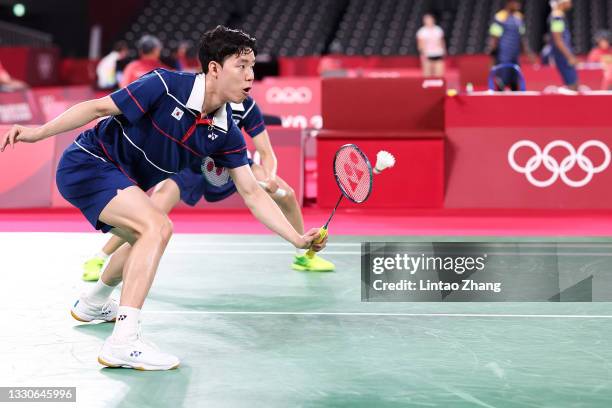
(221, 243)
(221, 312)
(171, 251)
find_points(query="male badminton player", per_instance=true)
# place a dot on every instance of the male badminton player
(157, 126)
(214, 184)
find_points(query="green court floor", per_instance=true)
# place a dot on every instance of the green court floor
(253, 333)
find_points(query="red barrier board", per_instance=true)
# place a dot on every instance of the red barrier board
(296, 100)
(53, 101)
(35, 66)
(546, 78)
(528, 152)
(383, 104)
(26, 174)
(20, 107)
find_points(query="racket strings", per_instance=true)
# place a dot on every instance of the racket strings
(353, 173)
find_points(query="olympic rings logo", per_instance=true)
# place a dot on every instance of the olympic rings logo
(559, 170)
(288, 94)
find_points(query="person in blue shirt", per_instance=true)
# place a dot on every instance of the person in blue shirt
(506, 39)
(562, 53)
(214, 184)
(157, 126)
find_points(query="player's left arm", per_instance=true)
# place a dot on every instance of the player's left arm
(254, 126)
(268, 158)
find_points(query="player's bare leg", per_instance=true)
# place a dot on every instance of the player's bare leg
(165, 197)
(148, 229)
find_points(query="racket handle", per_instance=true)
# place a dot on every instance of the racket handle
(279, 193)
(322, 234)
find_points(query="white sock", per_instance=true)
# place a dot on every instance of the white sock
(126, 325)
(100, 293)
(300, 252)
(102, 255)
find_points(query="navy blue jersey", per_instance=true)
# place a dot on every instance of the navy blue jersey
(247, 116)
(161, 130)
(509, 28)
(212, 180)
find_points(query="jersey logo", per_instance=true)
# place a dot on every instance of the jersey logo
(217, 176)
(212, 136)
(177, 113)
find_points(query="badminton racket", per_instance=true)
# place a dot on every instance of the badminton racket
(354, 176)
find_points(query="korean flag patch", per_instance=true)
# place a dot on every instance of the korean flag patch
(177, 113)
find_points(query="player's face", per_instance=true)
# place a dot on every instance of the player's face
(236, 76)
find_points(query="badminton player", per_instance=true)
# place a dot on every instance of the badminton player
(506, 39)
(157, 126)
(213, 184)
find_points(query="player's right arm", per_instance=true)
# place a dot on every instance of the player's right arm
(75, 117)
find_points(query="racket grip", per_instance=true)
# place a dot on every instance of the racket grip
(322, 234)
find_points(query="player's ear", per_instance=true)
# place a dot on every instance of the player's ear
(213, 68)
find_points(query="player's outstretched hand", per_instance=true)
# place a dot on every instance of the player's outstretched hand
(16, 134)
(309, 238)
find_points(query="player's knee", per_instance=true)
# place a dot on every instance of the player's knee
(166, 228)
(158, 226)
(288, 198)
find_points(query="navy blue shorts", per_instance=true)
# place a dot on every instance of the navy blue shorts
(212, 182)
(568, 73)
(507, 77)
(87, 180)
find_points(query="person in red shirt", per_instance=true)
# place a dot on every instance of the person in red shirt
(602, 54)
(149, 49)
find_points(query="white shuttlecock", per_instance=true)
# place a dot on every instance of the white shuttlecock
(384, 160)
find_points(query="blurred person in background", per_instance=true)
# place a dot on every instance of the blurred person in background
(602, 54)
(506, 40)
(546, 57)
(106, 71)
(179, 59)
(149, 51)
(330, 65)
(562, 53)
(432, 48)
(8, 83)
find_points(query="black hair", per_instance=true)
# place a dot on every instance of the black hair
(222, 42)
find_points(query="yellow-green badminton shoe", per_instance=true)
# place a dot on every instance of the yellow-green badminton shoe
(314, 264)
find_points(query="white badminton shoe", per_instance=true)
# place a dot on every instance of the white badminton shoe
(85, 311)
(138, 354)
